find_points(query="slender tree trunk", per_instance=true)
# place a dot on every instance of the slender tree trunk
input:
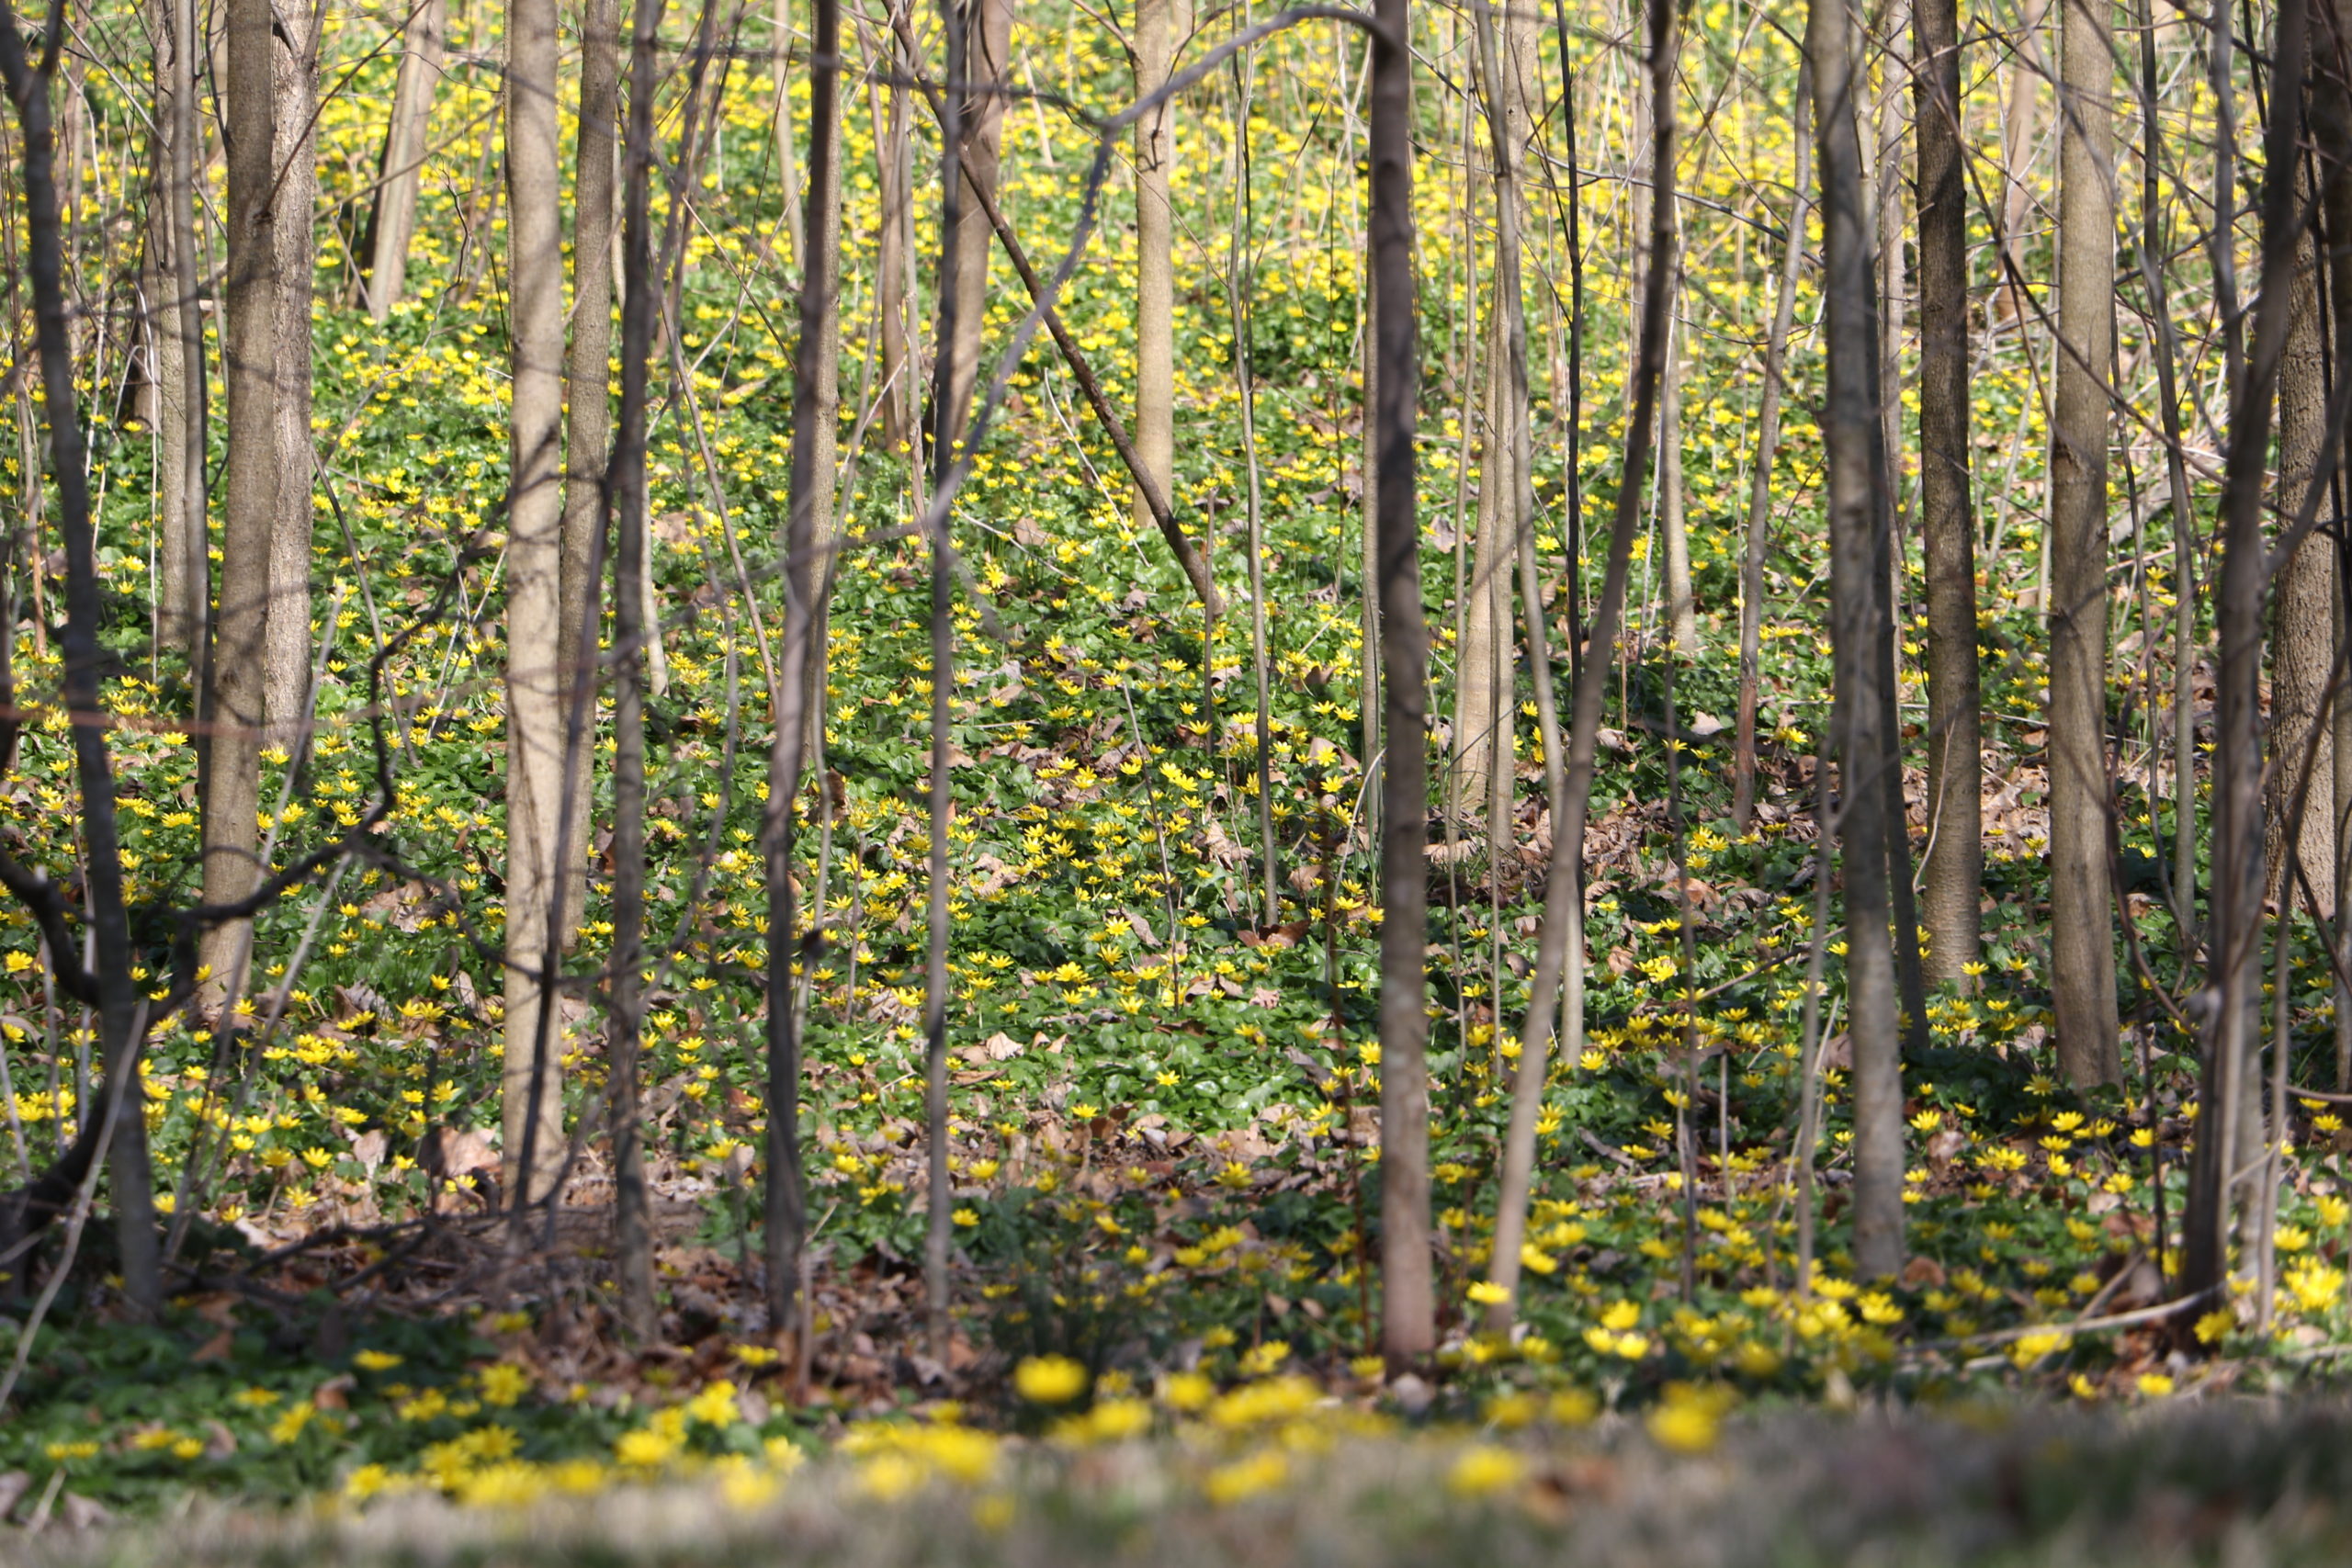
(232, 770)
(588, 384)
(893, 265)
(1512, 64)
(185, 603)
(1768, 441)
(1674, 525)
(535, 679)
(2018, 130)
(822, 257)
(121, 1011)
(2233, 939)
(1368, 695)
(787, 170)
(405, 140)
(1947, 524)
(625, 493)
(807, 528)
(985, 58)
(2152, 250)
(1407, 1305)
(2081, 906)
(1859, 609)
(948, 414)
(1483, 728)
(2303, 635)
(2330, 111)
(286, 694)
(1154, 154)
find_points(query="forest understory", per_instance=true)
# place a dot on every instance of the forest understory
(706, 854)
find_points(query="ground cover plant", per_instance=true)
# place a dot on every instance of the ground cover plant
(701, 723)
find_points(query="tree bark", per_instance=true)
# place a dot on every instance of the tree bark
(1850, 434)
(2081, 903)
(533, 1151)
(1768, 441)
(895, 263)
(120, 1012)
(2302, 634)
(1674, 525)
(788, 171)
(2330, 111)
(1955, 810)
(588, 394)
(405, 140)
(984, 60)
(287, 692)
(948, 414)
(2018, 130)
(1407, 1303)
(2234, 936)
(185, 596)
(1482, 707)
(1154, 154)
(625, 493)
(807, 526)
(232, 763)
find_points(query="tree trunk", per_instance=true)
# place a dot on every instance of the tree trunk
(287, 691)
(1850, 434)
(1947, 526)
(405, 141)
(625, 494)
(2019, 129)
(588, 393)
(1674, 526)
(116, 992)
(987, 55)
(895, 263)
(1407, 1304)
(807, 530)
(1482, 705)
(232, 762)
(186, 597)
(788, 171)
(2330, 111)
(2082, 923)
(2234, 936)
(1155, 153)
(2303, 645)
(533, 1152)
(1768, 441)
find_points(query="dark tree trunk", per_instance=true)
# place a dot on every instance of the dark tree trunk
(1859, 632)
(1408, 1322)
(1955, 844)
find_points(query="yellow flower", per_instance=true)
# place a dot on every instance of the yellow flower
(1486, 1292)
(2155, 1385)
(1244, 1478)
(1049, 1379)
(375, 1360)
(644, 1449)
(503, 1384)
(1687, 1421)
(1485, 1470)
(1186, 1391)
(714, 1405)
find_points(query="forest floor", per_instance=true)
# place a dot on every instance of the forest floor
(1163, 1149)
(1323, 1482)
